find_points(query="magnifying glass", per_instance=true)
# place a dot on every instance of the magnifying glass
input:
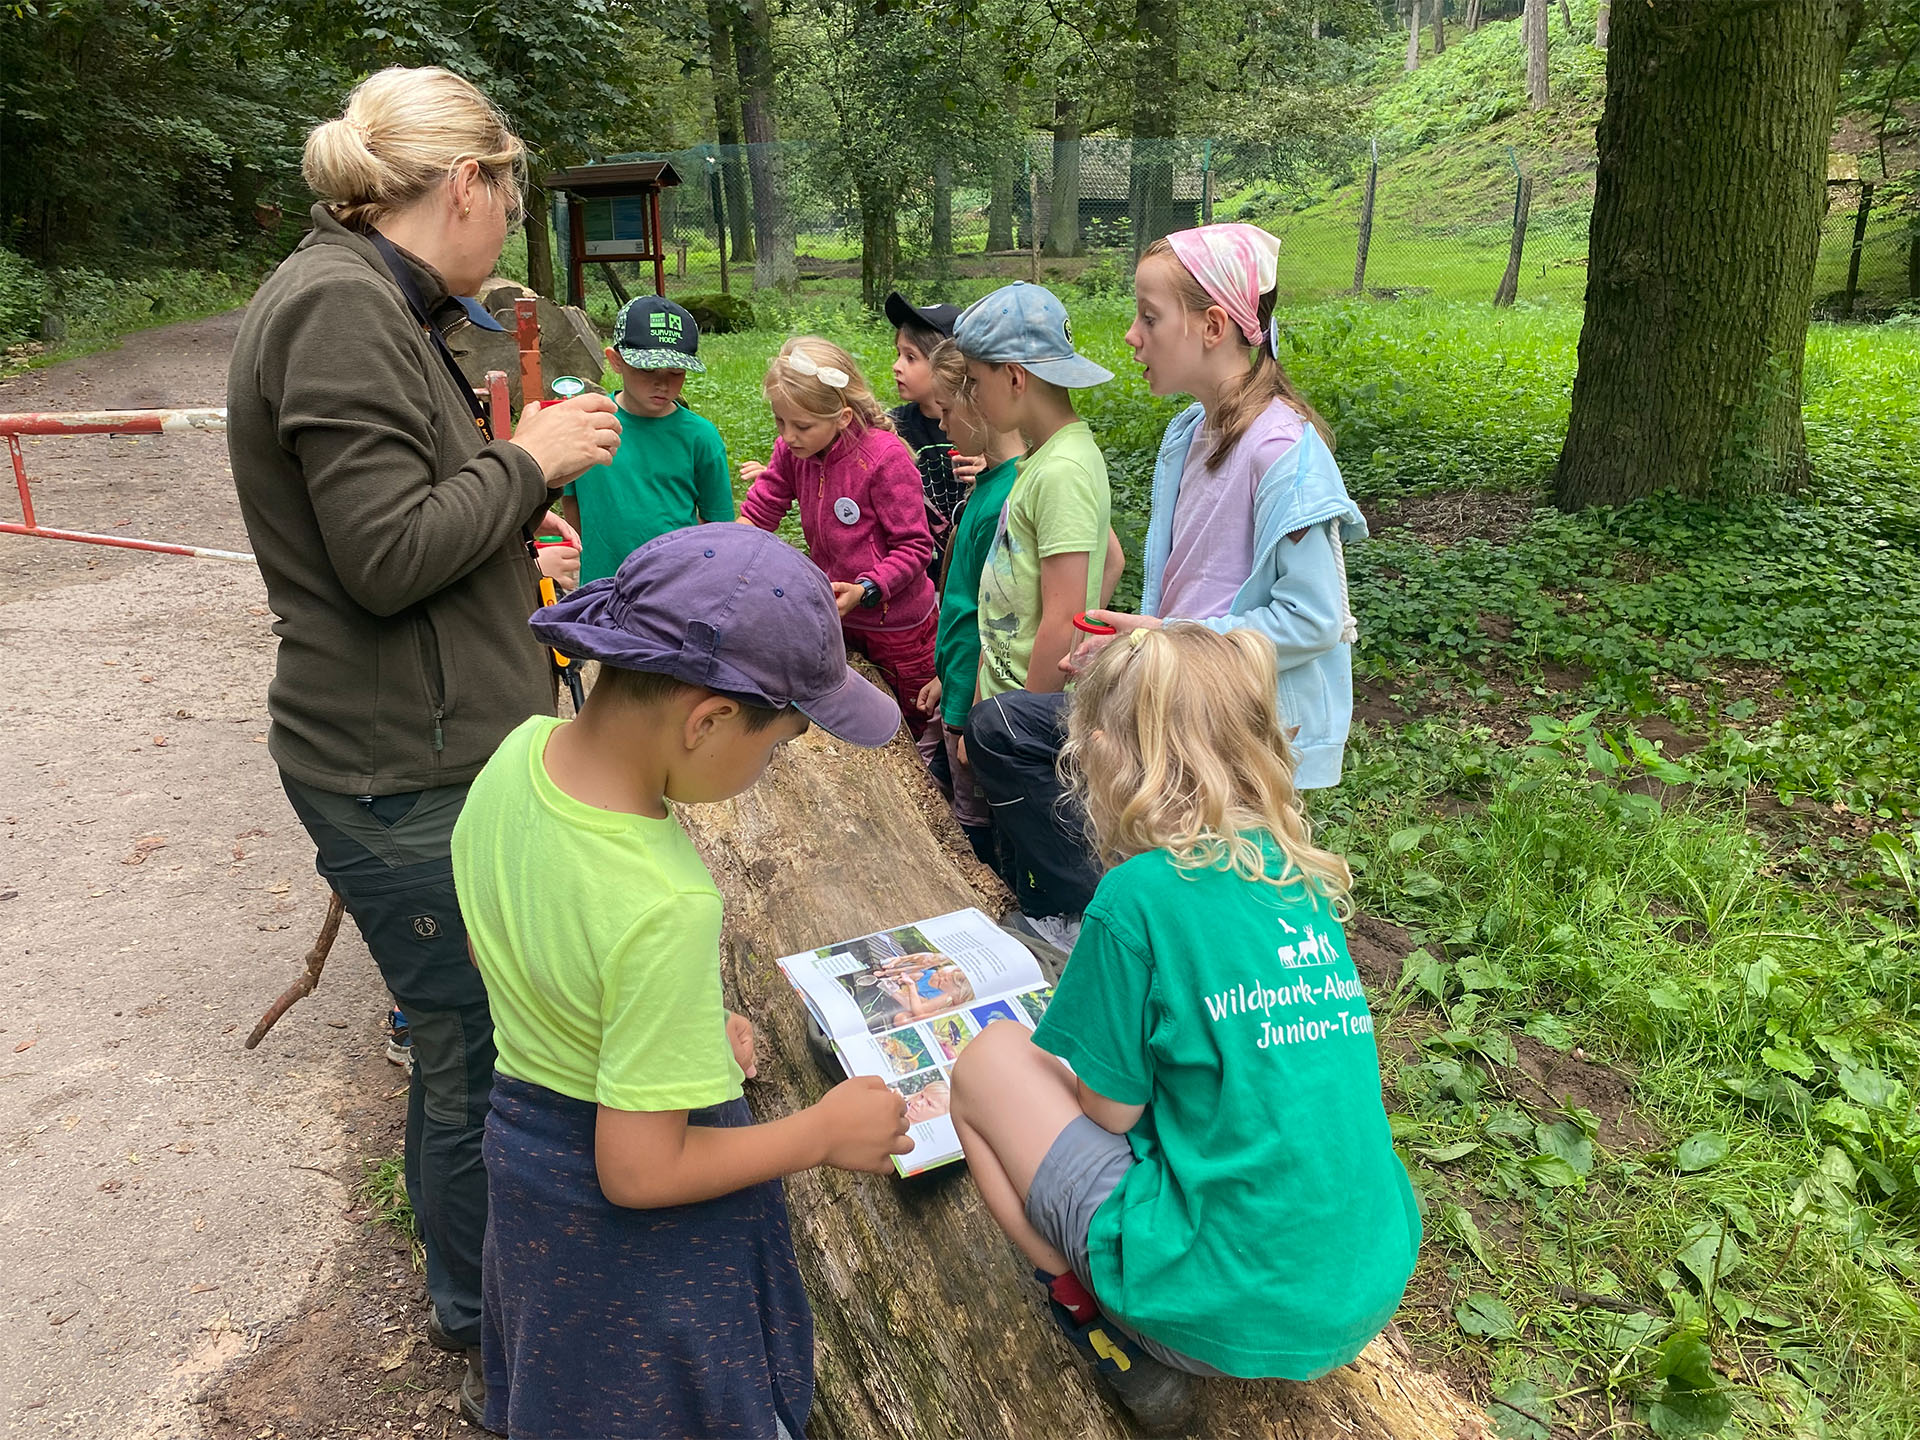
(1092, 627)
(568, 386)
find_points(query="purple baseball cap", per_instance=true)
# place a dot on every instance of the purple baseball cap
(731, 608)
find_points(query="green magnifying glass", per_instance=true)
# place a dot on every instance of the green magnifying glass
(568, 386)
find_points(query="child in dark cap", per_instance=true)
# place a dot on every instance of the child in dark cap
(944, 476)
(639, 1276)
(671, 468)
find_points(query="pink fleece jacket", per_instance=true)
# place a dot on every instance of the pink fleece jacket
(864, 513)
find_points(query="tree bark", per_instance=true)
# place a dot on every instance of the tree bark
(1533, 30)
(1602, 23)
(1413, 36)
(1439, 27)
(1063, 199)
(1566, 16)
(879, 242)
(539, 228)
(1706, 224)
(1000, 201)
(928, 1324)
(1509, 288)
(1473, 16)
(943, 208)
(774, 265)
(1156, 115)
(722, 19)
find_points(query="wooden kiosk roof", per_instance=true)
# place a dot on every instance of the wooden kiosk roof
(625, 178)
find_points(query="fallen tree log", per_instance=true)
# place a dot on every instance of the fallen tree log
(929, 1327)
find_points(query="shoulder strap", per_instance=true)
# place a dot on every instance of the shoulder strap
(403, 277)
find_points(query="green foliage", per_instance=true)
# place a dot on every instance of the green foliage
(1756, 1269)
(23, 296)
(718, 314)
(382, 1193)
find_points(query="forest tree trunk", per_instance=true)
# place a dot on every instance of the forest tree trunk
(1706, 223)
(1413, 36)
(1566, 15)
(1602, 23)
(1473, 16)
(722, 20)
(879, 242)
(927, 1323)
(1063, 199)
(1006, 175)
(1533, 32)
(539, 227)
(942, 219)
(774, 266)
(1156, 116)
(1439, 27)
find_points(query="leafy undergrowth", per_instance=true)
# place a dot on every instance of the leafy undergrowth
(1733, 1249)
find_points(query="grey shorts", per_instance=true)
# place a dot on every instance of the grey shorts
(1080, 1170)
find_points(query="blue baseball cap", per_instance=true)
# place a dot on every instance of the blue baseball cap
(1025, 325)
(731, 608)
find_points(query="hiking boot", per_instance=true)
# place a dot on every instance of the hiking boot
(438, 1337)
(1159, 1398)
(399, 1041)
(473, 1394)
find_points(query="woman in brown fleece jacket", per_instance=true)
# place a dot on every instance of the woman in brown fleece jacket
(391, 535)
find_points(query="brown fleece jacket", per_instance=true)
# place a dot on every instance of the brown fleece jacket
(389, 532)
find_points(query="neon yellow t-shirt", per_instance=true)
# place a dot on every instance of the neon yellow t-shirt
(598, 936)
(1060, 505)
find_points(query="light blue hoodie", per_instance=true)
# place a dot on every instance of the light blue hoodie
(1297, 594)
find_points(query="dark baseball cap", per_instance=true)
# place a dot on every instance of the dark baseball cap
(937, 318)
(731, 608)
(653, 333)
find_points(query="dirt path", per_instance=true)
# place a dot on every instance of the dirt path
(169, 1200)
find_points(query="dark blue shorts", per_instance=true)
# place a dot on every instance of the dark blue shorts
(602, 1321)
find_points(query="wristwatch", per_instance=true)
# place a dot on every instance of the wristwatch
(872, 596)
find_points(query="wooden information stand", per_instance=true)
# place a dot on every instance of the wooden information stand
(613, 213)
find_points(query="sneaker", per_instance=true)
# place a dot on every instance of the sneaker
(399, 1041)
(1159, 1398)
(438, 1337)
(1027, 930)
(473, 1395)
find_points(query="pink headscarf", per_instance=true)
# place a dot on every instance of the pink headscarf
(1235, 265)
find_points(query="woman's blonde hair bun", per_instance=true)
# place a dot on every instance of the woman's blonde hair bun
(403, 132)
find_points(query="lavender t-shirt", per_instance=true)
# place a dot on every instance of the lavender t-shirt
(1212, 552)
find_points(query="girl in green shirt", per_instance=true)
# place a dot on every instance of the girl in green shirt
(1216, 1166)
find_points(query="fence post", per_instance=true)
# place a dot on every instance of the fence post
(1522, 201)
(1206, 184)
(1366, 222)
(1859, 241)
(718, 202)
(1033, 220)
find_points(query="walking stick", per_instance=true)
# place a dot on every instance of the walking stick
(316, 961)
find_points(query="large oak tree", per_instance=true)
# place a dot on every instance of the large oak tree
(1706, 223)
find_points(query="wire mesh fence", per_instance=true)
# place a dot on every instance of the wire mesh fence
(1441, 225)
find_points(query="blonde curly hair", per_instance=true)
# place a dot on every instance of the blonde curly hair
(1175, 742)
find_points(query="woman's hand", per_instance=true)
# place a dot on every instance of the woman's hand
(847, 596)
(740, 1037)
(929, 697)
(570, 437)
(750, 471)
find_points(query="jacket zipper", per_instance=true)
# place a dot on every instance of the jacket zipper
(435, 676)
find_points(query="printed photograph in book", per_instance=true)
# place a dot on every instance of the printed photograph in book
(928, 1096)
(901, 1004)
(900, 977)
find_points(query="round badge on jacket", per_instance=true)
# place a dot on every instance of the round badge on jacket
(846, 511)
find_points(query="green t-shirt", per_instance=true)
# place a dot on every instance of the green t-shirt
(1059, 505)
(1267, 1227)
(669, 472)
(598, 936)
(957, 657)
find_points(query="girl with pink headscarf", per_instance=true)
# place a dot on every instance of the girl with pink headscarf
(1249, 515)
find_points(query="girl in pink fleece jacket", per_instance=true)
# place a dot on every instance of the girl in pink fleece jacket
(862, 510)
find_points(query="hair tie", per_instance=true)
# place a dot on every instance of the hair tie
(1273, 336)
(1137, 638)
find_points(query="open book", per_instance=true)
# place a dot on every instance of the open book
(903, 1004)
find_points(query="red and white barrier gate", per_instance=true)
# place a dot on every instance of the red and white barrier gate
(104, 422)
(153, 422)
